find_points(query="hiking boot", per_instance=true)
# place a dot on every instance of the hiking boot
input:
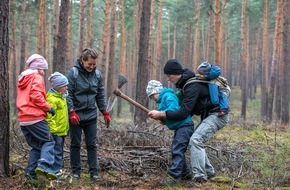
(186, 177)
(59, 175)
(199, 180)
(42, 169)
(210, 176)
(96, 179)
(171, 182)
(75, 177)
(31, 179)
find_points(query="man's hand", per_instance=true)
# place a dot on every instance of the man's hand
(158, 115)
(107, 117)
(74, 118)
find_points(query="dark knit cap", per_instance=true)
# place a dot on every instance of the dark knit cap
(173, 67)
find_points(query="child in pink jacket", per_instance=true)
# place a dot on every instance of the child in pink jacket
(32, 110)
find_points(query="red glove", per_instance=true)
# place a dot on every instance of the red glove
(107, 117)
(74, 118)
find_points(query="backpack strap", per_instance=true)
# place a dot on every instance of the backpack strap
(75, 72)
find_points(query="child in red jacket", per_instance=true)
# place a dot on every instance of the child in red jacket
(32, 110)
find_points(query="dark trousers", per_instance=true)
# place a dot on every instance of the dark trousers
(39, 138)
(58, 153)
(179, 167)
(90, 131)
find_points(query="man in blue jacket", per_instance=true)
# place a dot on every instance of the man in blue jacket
(196, 101)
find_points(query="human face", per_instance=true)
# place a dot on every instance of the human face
(41, 72)
(62, 90)
(154, 97)
(89, 64)
(173, 78)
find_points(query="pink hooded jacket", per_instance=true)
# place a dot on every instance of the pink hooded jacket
(31, 97)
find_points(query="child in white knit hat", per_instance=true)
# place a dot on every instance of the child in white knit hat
(183, 129)
(58, 123)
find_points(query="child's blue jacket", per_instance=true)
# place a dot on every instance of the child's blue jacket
(167, 100)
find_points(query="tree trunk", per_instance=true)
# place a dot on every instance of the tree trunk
(143, 63)
(60, 59)
(122, 60)
(285, 73)
(216, 31)
(111, 77)
(244, 79)
(22, 36)
(196, 48)
(208, 37)
(4, 90)
(69, 53)
(103, 63)
(41, 29)
(81, 27)
(12, 53)
(158, 51)
(265, 62)
(274, 64)
(89, 29)
(55, 27)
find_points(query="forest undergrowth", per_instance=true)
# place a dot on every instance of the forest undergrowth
(246, 155)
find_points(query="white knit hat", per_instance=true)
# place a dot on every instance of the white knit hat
(154, 87)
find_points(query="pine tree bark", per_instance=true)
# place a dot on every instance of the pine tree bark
(4, 90)
(41, 29)
(69, 53)
(216, 31)
(275, 59)
(22, 36)
(244, 80)
(285, 73)
(122, 59)
(12, 52)
(60, 59)
(89, 29)
(111, 77)
(265, 62)
(143, 63)
(103, 63)
(81, 27)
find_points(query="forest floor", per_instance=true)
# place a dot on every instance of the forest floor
(135, 159)
(247, 155)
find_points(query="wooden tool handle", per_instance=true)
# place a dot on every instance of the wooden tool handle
(122, 95)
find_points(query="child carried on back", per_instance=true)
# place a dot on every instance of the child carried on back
(207, 71)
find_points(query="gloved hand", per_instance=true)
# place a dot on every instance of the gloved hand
(107, 117)
(74, 118)
(51, 111)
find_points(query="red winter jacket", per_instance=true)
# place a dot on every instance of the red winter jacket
(31, 97)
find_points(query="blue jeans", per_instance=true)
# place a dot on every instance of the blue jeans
(58, 153)
(39, 138)
(179, 167)
(90, 131)
(200, 164)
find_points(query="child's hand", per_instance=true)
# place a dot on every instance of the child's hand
(51, 111)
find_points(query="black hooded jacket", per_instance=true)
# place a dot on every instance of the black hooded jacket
(86, 93)
(196, 99)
